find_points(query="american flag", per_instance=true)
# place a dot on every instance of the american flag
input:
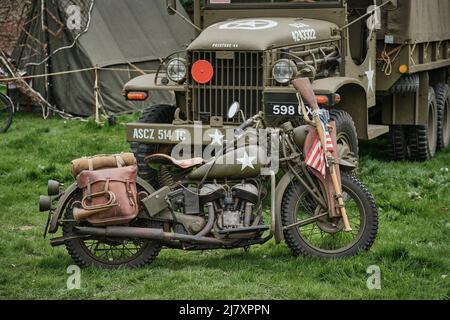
(316, 156)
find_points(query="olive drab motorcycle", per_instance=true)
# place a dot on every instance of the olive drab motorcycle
(110, 218)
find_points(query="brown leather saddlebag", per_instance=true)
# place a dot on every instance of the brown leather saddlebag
(109, 196)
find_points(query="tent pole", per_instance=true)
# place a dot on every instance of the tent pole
(97, 103)
(47, 47)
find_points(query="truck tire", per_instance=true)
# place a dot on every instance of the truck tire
(423, 138)
(407, 83)
(346, 134)
(397, 140)
(156, 114)
(443, 109)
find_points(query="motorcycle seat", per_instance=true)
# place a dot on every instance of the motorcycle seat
(168, 160)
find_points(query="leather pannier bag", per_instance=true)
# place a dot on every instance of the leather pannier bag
(109, 196)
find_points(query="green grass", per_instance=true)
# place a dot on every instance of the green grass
(412, 248)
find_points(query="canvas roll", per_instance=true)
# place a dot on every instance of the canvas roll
(102, 162)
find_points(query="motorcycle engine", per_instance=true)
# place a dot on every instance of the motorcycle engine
(235, 207)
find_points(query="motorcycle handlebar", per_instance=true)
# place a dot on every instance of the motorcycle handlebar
(246, 124)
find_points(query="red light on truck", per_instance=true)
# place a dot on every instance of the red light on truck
(202, 71)
(137, 96)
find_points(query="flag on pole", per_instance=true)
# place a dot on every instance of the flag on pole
(316, 156)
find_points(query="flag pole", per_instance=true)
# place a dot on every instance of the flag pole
(303, 86)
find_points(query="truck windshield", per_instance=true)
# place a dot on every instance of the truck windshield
(304, 3)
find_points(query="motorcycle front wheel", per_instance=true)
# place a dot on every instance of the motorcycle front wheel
(325, 237)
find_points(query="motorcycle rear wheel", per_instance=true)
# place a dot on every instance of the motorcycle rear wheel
(108, 253)
(326, 238)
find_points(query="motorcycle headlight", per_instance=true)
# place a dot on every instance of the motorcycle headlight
(284, 71)
(177, 70)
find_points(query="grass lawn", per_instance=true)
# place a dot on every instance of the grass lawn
(412, 248)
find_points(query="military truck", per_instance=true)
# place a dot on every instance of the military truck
(381, 68)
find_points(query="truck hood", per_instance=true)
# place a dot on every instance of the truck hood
(264, 33)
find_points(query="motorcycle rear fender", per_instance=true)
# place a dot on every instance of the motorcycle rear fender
(64, 200)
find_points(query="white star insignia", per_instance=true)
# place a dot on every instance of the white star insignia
(217, 138)
(370, 74)
(247, 162)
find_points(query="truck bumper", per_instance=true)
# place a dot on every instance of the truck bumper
(193, 134)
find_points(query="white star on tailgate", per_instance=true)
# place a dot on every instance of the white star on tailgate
(217, 138)
(247, 162)
(370, 74)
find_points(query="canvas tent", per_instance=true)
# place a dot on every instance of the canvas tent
(117, 37)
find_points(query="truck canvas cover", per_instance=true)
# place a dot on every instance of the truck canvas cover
(416, 21)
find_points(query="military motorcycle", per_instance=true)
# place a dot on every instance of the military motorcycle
(222, 204)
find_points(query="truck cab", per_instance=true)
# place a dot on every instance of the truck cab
(249, 51)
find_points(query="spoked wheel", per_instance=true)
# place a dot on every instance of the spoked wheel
(324, 237)
(105, 252)
(6, 113)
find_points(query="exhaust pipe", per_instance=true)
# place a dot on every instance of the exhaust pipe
(144, 233)
(81, 214)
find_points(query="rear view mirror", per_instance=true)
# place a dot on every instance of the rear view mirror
(233, 110)
(171, 6)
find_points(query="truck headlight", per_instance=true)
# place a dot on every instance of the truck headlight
(284, 70)
(177, 70)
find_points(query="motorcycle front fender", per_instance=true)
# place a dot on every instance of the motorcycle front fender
(280, 190)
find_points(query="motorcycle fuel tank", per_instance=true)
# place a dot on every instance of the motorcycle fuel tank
(240, 163)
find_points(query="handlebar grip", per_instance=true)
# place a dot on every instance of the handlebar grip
(239, 130)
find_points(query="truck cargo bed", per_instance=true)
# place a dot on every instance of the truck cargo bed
(416, 21)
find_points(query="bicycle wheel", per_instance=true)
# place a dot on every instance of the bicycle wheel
(6, 113)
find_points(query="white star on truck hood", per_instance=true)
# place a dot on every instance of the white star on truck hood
(247, 162)
(370, 74)
(217, 138)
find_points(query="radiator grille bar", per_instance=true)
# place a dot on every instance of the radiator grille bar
(238, 76)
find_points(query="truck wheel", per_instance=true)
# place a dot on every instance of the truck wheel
(443, 109)
(423, 138)
(155, 114)
(347, 137)
(397, 140)
(407, 83)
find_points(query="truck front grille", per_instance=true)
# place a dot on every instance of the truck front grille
(238, 76)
